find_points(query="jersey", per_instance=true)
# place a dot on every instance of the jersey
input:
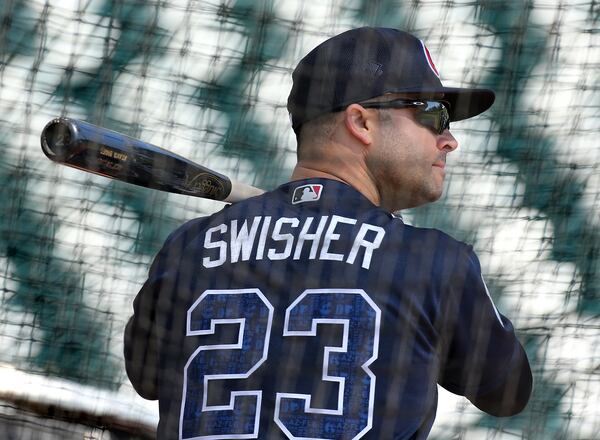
(308, 312)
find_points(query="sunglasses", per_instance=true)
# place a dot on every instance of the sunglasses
(431, 114)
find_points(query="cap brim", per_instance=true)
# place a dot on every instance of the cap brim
(466, 103)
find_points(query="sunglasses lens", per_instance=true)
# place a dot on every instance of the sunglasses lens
(434, 116)
(431, 114)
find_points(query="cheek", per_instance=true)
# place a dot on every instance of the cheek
(392, 161)
(404, 156)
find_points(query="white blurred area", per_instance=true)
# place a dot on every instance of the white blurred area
(513, 242)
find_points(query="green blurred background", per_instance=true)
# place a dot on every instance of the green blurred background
(209, 80)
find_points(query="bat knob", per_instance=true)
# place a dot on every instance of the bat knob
(57, 138)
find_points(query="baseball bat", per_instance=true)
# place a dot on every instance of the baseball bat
(87, 147)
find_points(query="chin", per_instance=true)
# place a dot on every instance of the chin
(429, 198)
(417, 200)
(436, 197)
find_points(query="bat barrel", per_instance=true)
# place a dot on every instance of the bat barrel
(97, 150)
(94, 149)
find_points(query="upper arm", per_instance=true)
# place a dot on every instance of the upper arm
(482, 357)
(511, 396)
(140, 345)
(146, 330)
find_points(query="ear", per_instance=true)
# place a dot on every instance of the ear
(360, 123)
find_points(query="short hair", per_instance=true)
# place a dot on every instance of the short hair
(321, 129)
(318, 130)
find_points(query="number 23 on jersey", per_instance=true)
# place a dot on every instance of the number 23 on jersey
(346, 365)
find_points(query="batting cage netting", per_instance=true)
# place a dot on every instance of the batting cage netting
(209, 81)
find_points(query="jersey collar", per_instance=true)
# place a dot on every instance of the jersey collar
(324, 194)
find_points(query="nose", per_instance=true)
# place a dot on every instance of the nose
(446, 142)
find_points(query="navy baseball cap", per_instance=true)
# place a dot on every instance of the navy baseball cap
(368, 62)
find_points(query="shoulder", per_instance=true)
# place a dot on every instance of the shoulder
(435, 240)
(186, 231)
(191, 229)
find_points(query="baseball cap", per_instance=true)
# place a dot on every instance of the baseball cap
(368, 62)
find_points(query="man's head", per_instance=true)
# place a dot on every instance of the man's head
(364, 63)
(377, 93)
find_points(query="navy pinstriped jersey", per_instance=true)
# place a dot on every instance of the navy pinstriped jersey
(308, 312)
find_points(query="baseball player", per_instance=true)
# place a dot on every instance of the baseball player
(313, 311)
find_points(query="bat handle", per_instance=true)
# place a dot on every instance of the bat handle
(241, 191)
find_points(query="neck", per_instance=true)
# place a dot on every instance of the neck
(305, 172)
(354, 176)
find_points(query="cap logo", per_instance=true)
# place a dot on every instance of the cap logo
(374, 68)
(307, 193)
(429, 59)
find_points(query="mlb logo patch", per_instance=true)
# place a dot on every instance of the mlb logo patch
(307, 193)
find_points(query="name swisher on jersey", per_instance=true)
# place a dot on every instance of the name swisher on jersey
(263, 237)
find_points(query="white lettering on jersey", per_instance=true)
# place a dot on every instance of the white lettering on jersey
(369, 246)
(243, 240)
(272, 254)
(305, 236)
(258, 238)
(330, 236)
(263, 238)
(221, 245)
